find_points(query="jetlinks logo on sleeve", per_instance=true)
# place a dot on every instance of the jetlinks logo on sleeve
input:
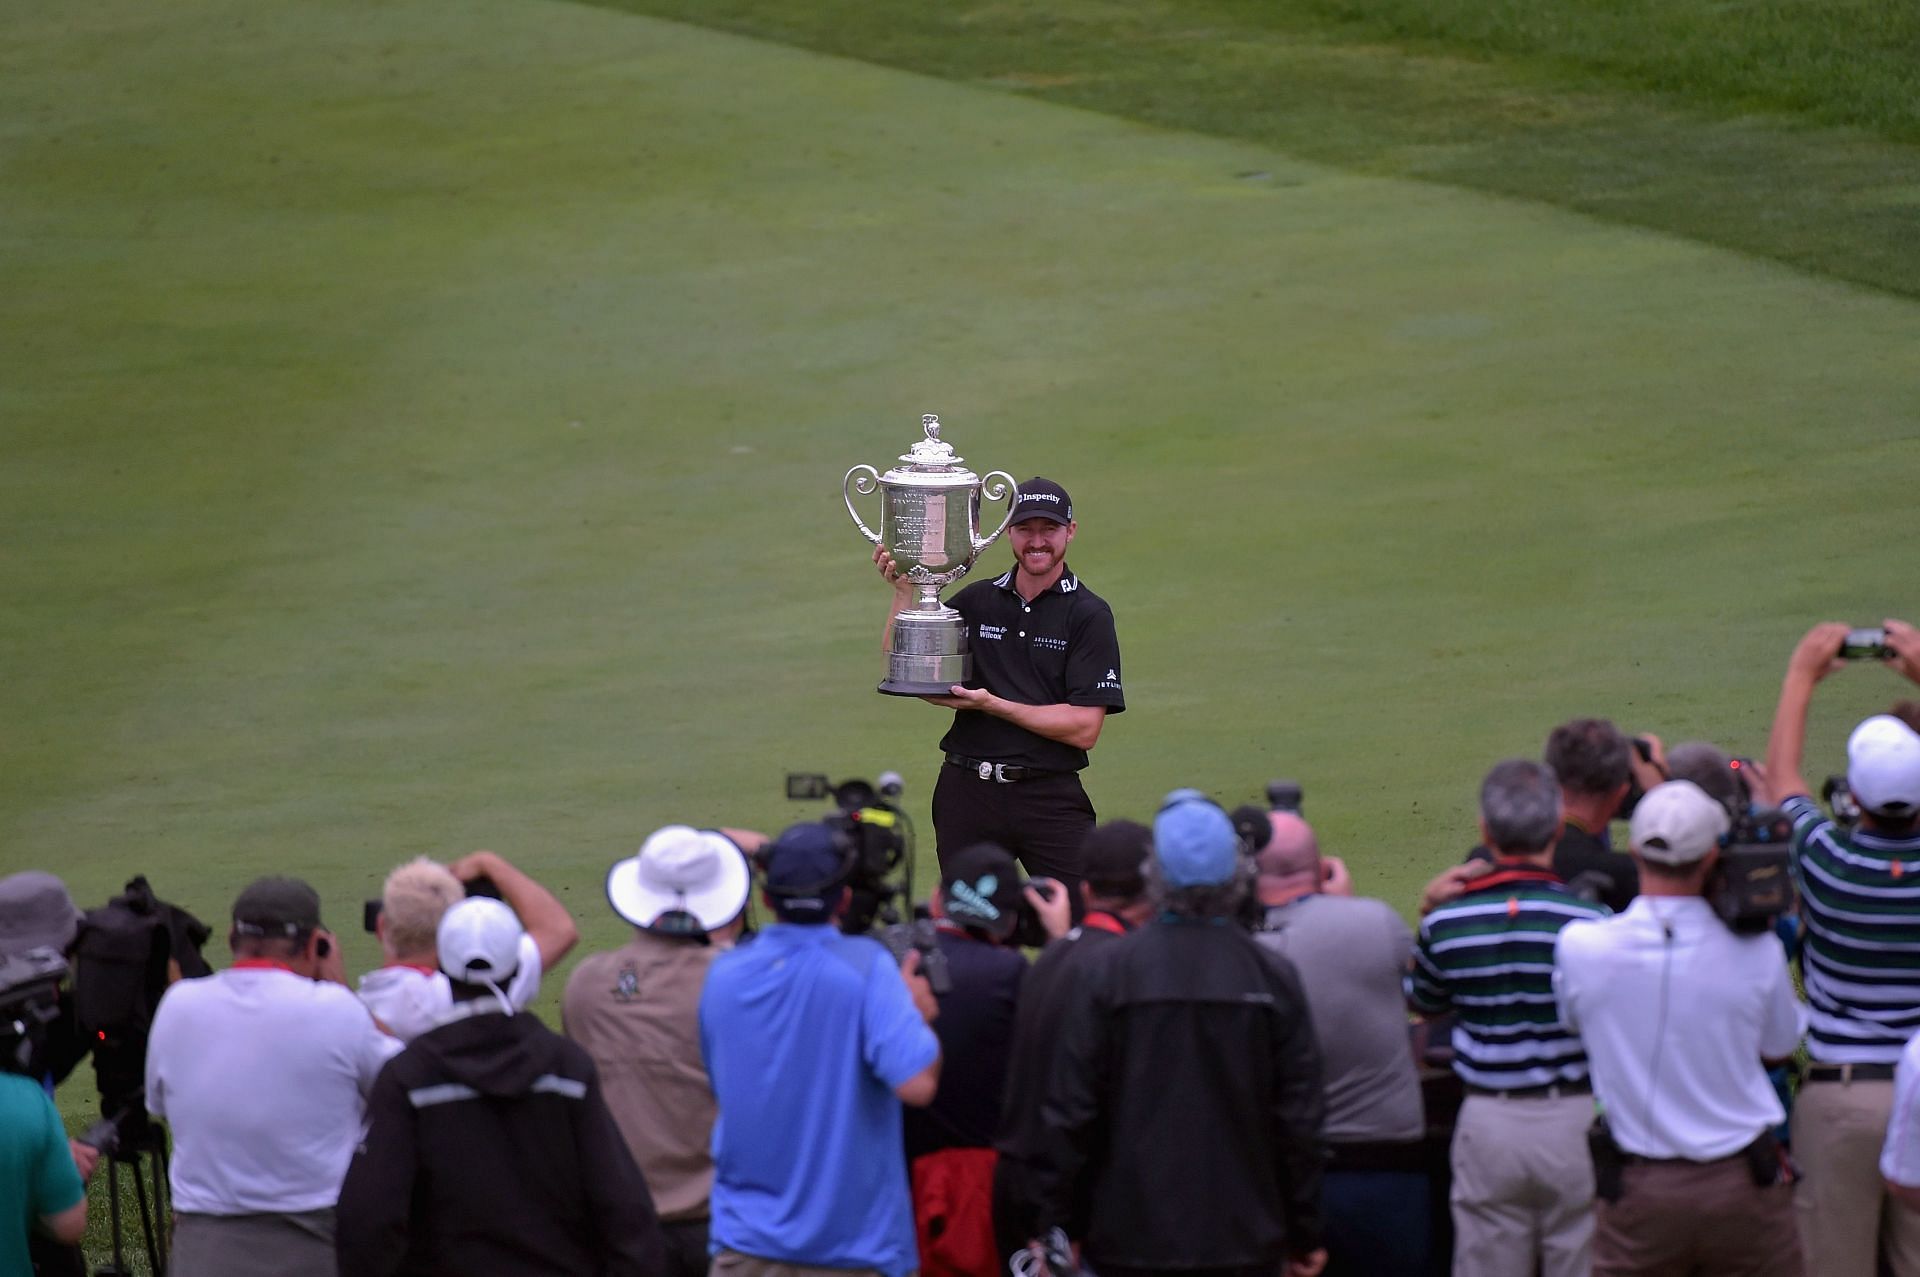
(971, 900)
(1111, 682)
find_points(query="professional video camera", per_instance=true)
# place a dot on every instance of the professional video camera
(29, 1002)
(1752, 885)
(128, 951)
(881, 877)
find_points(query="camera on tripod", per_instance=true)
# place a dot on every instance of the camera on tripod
(880, 878)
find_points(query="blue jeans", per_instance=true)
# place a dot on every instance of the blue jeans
(1376, 1223)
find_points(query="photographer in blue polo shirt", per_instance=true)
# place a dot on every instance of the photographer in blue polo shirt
(813, 1040)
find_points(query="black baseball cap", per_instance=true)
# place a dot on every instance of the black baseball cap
(1042, 499)
(276, 907)
(980, 890)
(1113, 854)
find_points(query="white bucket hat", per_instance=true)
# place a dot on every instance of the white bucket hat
(679, 869)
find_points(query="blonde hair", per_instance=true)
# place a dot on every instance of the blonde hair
(415, 896)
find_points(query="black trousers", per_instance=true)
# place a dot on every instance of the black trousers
(686, 1247)
(1042, 822)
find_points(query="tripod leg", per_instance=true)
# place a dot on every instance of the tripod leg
(113, 1210)
(146, 1215)
(163, 1206)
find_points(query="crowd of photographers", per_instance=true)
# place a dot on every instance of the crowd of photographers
(1213, 1071)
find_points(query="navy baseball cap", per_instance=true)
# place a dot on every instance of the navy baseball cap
(1042, 499)
(804, 869)
(1194, 841)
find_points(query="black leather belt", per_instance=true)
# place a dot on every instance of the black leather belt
(1004, 773)
(1849, 1073)
(1550, 1091)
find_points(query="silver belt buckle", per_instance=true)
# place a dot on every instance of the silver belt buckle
(986, 772)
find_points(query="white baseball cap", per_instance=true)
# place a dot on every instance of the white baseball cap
(679, 869)
(1676, 823)
(1883, 766)
(479, 942)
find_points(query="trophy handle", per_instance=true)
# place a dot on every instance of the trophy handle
(863, 483)
(1009, 492)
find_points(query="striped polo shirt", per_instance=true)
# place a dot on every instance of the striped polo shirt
(1860, 899)
(1488, 957)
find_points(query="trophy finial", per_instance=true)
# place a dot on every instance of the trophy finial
(930, 422)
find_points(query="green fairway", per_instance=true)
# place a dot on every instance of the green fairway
(423, 433)
(422, 430)
(1789, 130)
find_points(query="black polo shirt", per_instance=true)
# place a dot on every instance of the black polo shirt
(1060, 649)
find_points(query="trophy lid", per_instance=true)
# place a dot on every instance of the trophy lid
(931, 462)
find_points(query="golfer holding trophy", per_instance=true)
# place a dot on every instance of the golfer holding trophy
(1029, 660)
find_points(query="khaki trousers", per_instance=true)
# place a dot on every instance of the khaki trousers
(731, 1263)
(1522, 1187)
(1696, 1219)
(1844, 1212)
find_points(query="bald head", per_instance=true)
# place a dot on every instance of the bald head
(1290, 862)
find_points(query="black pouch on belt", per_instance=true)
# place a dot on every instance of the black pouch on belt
(1765, 1161)
(1607, 1185)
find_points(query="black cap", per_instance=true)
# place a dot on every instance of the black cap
(1113, 854)
(980, 888)
(1042, 499)
(276, 907)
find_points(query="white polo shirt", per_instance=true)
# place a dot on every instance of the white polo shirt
(262, 1076)
(1900, 1156)
(410, 1000)
(1676, 1012)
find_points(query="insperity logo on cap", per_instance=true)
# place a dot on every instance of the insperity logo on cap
(1042, 499)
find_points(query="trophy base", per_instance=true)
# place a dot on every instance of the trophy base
(925, 674)
(893, 687)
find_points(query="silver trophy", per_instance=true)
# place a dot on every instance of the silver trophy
(930, 524)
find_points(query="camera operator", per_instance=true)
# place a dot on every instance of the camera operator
(409, 993)
(1351, 953)
(1114, 897)
(1678, 1013)
(262, 1071)
(981, 910)
(636, 1012)
(1860, 964)
(41, 1171)
(813, 1040)
(37, 913)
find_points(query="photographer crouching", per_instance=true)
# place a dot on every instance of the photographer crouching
(1680, 1014)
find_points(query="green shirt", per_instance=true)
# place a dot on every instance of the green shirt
(37, 1174)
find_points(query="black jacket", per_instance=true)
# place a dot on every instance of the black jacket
(490, 1150)
(1186, 1094)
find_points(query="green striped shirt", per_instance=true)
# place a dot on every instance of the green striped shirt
(1488, 957)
